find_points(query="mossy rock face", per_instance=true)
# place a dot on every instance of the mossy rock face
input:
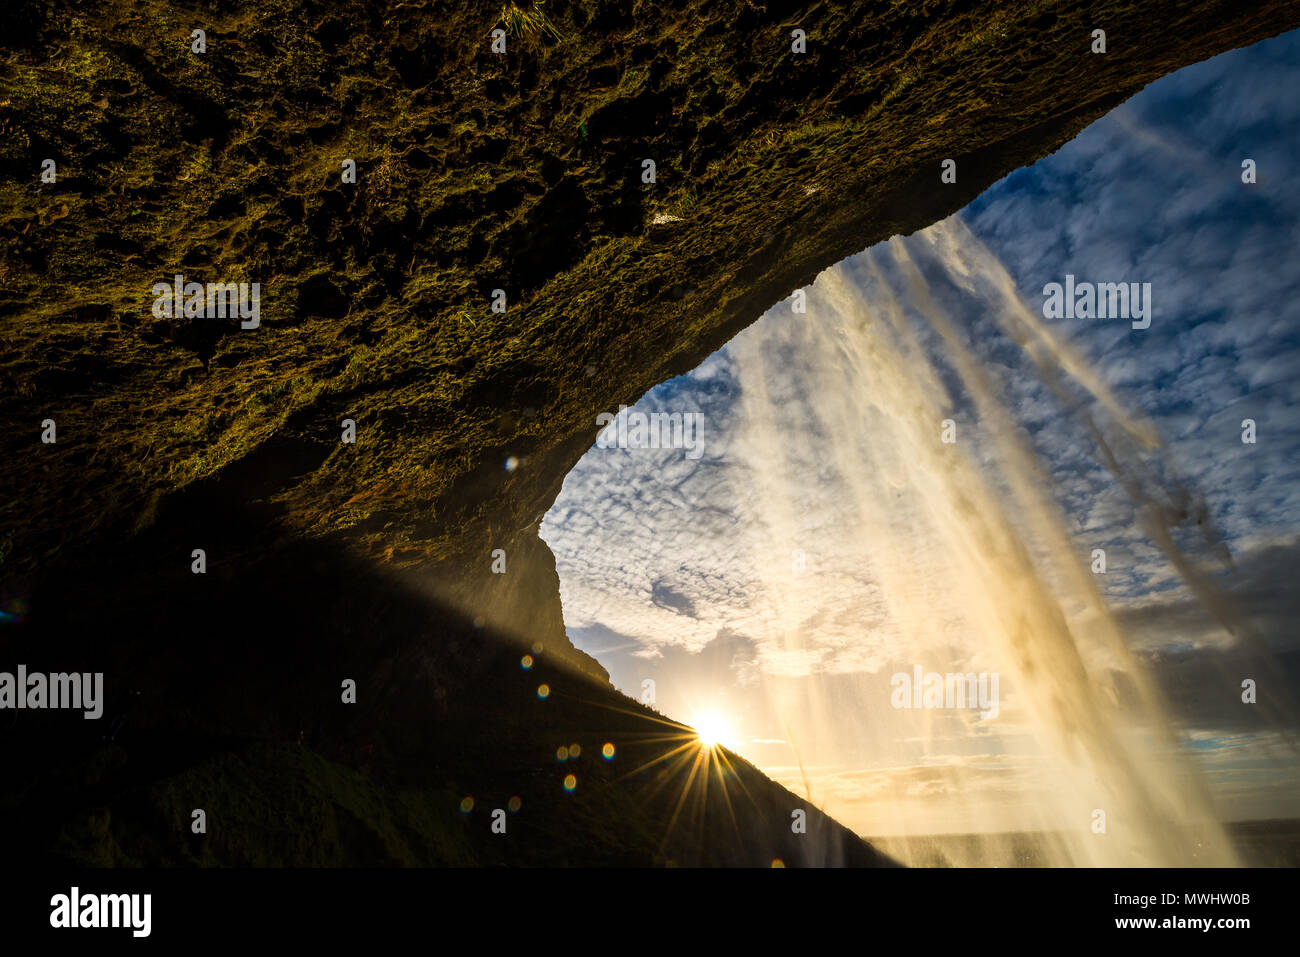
(475, 172)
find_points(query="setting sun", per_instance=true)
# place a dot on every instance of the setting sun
(712, 730)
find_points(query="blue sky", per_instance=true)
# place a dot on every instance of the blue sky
(661, 557)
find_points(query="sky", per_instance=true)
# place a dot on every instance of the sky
(817, 547)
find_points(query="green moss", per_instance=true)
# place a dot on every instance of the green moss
(473, 176)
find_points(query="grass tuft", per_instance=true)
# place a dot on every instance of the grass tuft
(528, 21)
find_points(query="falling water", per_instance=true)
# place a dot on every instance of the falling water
(964, 546)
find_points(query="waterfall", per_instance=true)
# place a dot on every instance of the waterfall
(950, 521)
